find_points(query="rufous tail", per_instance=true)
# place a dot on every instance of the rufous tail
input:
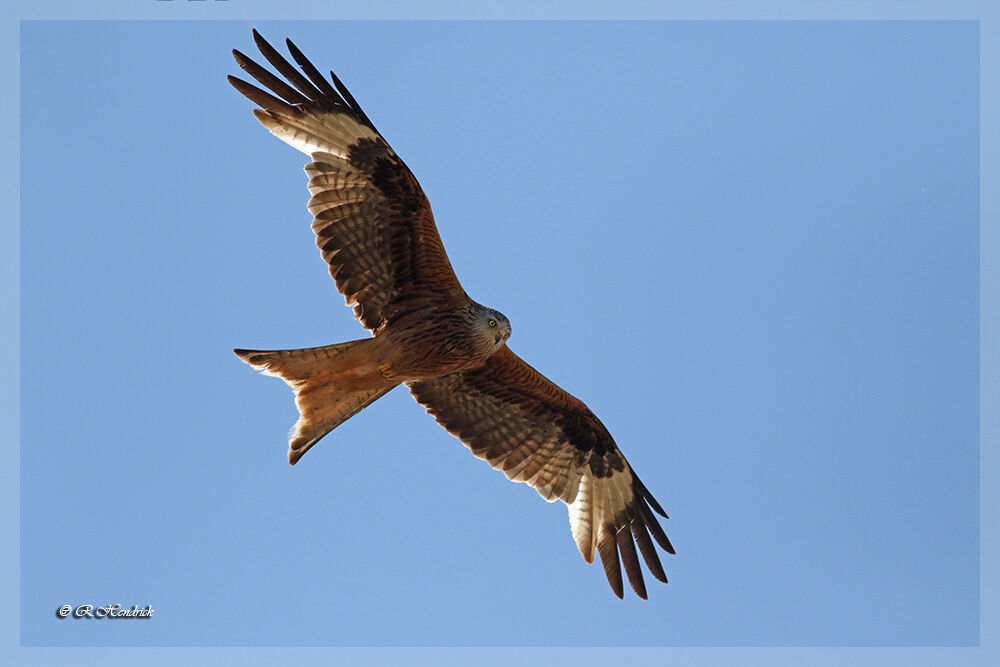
(312, 374)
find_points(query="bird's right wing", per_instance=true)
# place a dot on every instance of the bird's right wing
(535, 432)
(372, 221)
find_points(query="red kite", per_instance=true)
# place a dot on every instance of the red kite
(374, 227)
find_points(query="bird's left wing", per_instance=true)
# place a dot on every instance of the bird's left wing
(372, 221)
(526, 426)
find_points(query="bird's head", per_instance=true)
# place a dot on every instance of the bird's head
(493, 325)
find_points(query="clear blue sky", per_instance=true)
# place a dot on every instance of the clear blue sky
(751, 248)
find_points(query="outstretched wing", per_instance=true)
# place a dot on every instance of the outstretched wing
(372, 221)
(521, 423)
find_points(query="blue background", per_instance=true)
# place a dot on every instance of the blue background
(751, 248)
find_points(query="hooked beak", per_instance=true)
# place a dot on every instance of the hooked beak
(496, 339)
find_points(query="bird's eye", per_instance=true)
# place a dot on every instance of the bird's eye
(493, 324)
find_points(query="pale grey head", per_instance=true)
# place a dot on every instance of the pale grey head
(492, 325)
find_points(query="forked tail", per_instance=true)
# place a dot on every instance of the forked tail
(312, 374)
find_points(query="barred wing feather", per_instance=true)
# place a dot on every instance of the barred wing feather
(522, 424)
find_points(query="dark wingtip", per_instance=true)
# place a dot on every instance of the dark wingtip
(641, 535)
(640, 490)
(240, 57)
(331, 97)
(630, 560)
(607, 547)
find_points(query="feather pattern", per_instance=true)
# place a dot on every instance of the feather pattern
(372, 221)
(524, 425)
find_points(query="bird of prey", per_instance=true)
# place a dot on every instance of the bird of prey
(374, 227)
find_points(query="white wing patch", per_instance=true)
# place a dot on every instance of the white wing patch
(597, 504)
(316, 131)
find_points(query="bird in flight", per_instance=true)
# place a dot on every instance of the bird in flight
(374, 228)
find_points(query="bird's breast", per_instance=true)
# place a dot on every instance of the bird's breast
(436, 343)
